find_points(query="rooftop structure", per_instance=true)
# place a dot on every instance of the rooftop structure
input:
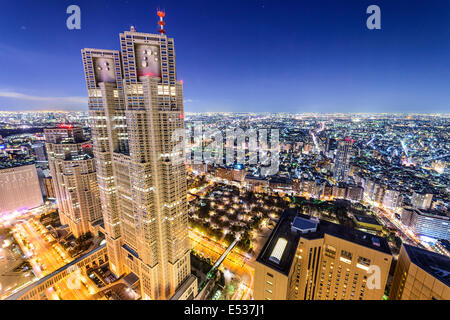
(293, 225)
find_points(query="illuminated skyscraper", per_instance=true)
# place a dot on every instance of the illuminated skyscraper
(342, 161)
(74, 178)
(136, 104)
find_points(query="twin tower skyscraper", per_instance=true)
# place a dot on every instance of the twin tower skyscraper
(135, 105)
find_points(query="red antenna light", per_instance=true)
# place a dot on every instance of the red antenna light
(161, 15)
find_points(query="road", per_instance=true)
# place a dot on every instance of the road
(389, 216)
(47, 255)
(11, 219)
(236, 262)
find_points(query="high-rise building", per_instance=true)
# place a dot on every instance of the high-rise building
(136, 106)
(40, 153)
(72, 168)
(49, 188)
(342, 161)
(420, 275)
(309, 259)
(19, 189)
(421, 200)
(378, 193)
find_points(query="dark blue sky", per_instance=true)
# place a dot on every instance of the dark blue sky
(246, 55)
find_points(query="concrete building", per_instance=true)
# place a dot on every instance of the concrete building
(342, 161)
(279, 183)
(354, 193)
(74, 178)
(367, 223)
(224, 173)
(308, 259)
(420, 275)
(421, 200)
(429, 223)
(308, 188)
(47, 182)
(257, 184)
(392, 199)
(19, 189)
(239, 175)
(136, 105)
(339, 191)
(378, 193)
(40, 152)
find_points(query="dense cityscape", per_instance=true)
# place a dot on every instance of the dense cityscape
(137, 199)
(389, 187)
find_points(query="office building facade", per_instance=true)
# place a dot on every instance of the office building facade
(308, 259)
(136, 105)
(19, 189)
(429, 223)
(74, 178)
(421, 200)
(420, 275)
(342, 160)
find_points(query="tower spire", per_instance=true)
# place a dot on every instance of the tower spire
(161, 14)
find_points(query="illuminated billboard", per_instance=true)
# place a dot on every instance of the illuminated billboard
(148, 60)
(104, 70)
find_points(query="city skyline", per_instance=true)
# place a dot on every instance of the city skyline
(228, 151)
(326, 57)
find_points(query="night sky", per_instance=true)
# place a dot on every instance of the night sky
(242, 56)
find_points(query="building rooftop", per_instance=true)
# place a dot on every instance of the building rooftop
(281, 231)
(433, 263)
(429, 213)
(131, 279)
(305, 225)
(279, 250)
(186, 284)
(366, 219)
(9, 164)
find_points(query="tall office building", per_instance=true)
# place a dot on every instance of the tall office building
(19, 189)
(72, 168)
(342, 161)
(308, 259)
(420, 275)
(136, 104)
